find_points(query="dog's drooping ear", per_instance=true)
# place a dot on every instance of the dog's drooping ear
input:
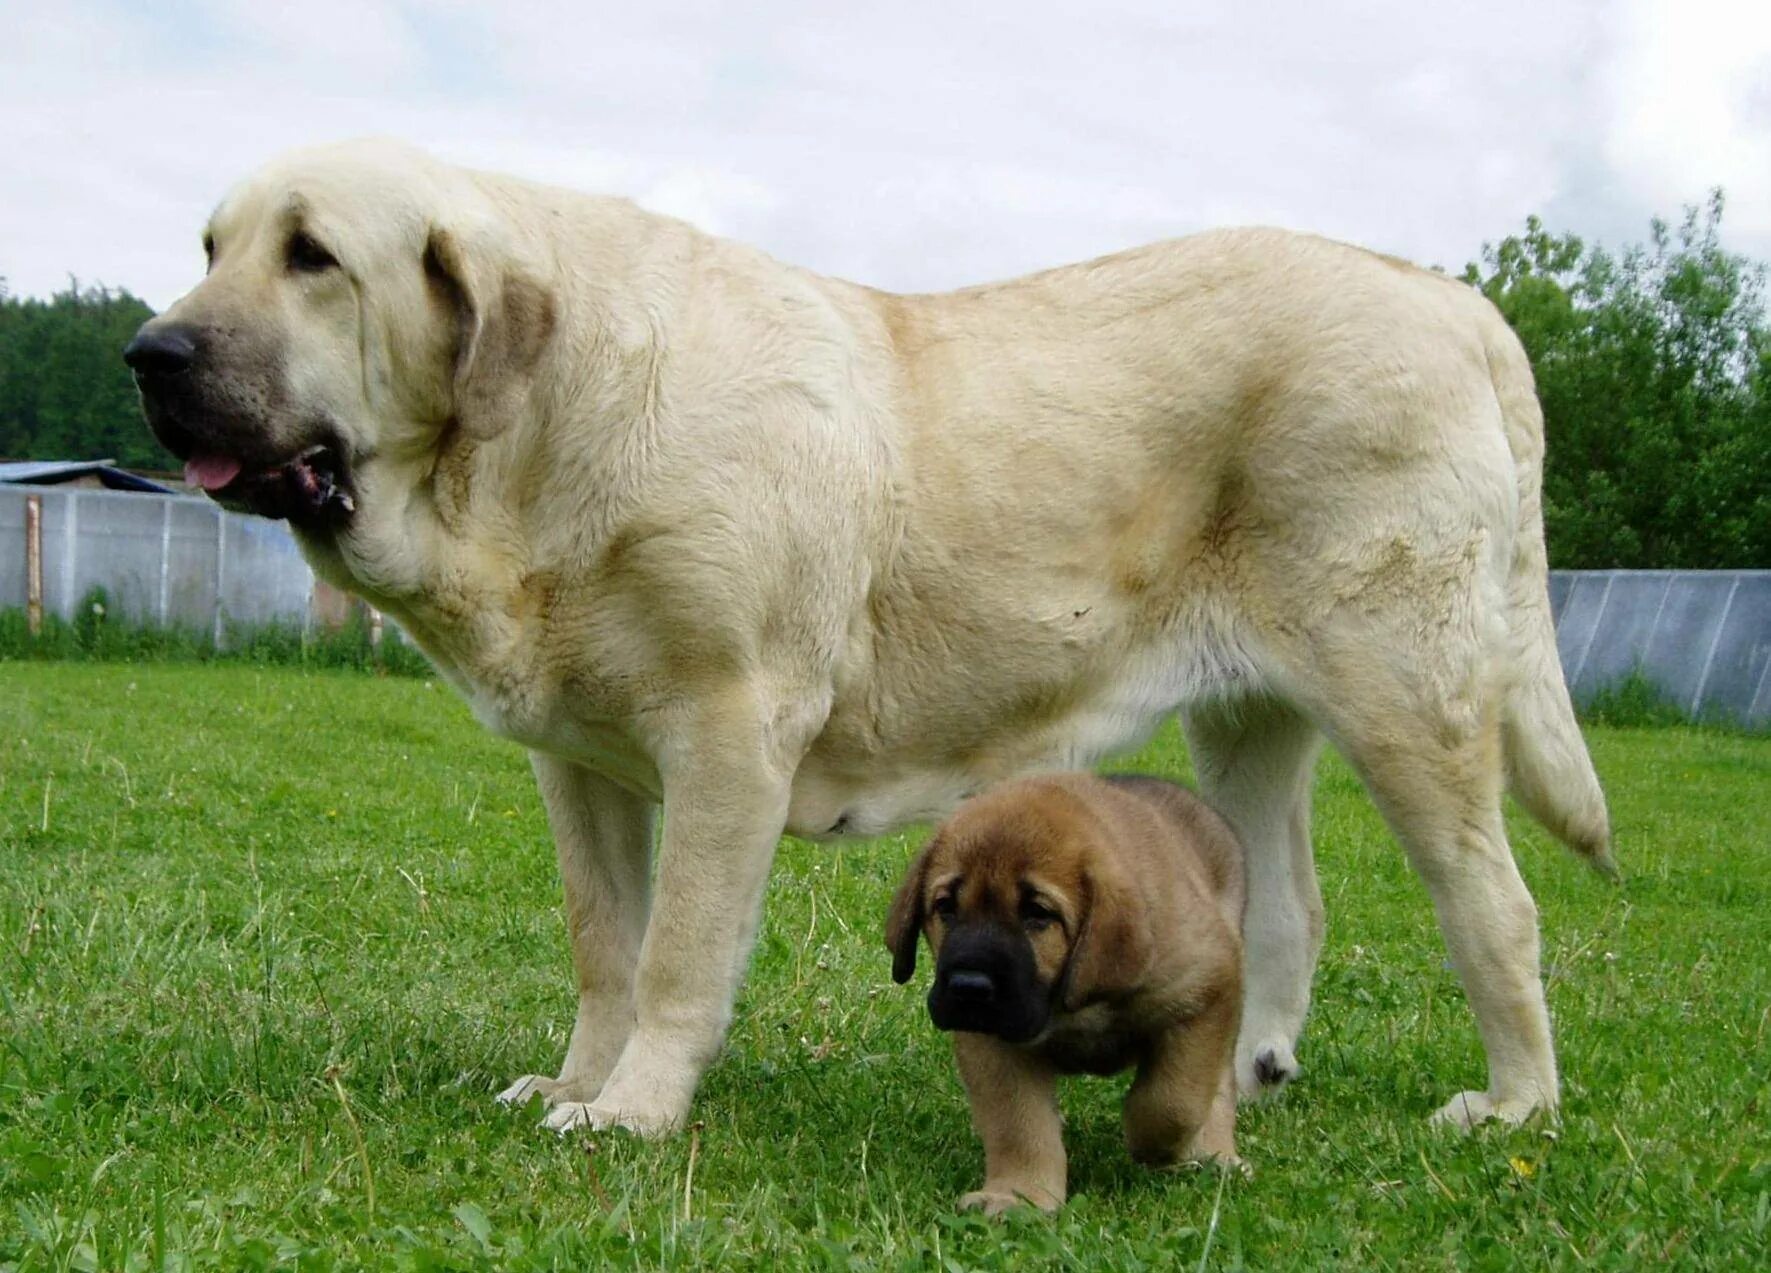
(504, 320)
(1114, 948)
(904, 921)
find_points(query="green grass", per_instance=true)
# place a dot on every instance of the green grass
(248, 914)
(97, 635)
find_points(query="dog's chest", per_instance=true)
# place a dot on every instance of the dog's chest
(558, 725)
(553, 708)
(1091, 1041)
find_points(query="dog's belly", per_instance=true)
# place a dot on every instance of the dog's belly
(599, 745)
(826, 803)
(841, 793)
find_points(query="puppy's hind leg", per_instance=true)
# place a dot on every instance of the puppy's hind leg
(603, 837)
(1256, 761)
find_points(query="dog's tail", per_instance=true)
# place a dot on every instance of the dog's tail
(1548, 768)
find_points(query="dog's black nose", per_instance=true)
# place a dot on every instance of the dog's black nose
(161, 351)
(971, 989)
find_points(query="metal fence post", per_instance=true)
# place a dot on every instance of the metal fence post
(34, 563)
(165, 560)
(70, 553)
(221, 570)
(1709, 655)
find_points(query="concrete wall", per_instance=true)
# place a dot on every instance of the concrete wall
(164, 560)
(1703, 636)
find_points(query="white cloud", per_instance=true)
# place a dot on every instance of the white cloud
(1690, 106)
(914, 145)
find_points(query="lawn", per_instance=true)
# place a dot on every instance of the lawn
(269, 940)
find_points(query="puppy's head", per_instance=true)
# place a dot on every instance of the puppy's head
(1026, 909)
(359, 299)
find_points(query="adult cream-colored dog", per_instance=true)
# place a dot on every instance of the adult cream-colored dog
(708, 532)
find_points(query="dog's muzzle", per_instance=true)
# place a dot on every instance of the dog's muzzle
(986, 983)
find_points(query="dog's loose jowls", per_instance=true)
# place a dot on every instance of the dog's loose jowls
(717, 537)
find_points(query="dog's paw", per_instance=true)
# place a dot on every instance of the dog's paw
(1267, 1069)
(596, 1116)
(994, 1202)
(1467, 1109)
(551, 1091)
(1230, 1164)
(519, 1092)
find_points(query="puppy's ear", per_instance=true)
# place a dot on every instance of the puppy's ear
(903, 927)
(503, 318)
(1114, 948)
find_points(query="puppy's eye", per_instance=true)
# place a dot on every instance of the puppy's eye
(306, 256)
(1037, 915)
(944, 906)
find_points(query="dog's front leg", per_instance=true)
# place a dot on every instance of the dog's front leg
(1014, 1096)
(726, 765)
(603, 834)
(1182, 1104)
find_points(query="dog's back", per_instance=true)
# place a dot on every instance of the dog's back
(1220, 852)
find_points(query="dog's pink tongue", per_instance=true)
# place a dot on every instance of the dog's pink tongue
(211, 472)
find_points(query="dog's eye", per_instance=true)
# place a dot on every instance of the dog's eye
(306, 256)
(1037, 915)
(944, 906)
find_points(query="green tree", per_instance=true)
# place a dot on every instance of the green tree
(64, 391)
(1654, 367)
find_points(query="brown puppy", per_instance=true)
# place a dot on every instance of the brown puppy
(1082, 925)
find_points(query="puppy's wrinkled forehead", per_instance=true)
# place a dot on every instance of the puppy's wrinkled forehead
(994, 852)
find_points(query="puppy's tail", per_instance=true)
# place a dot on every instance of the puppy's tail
(1548, 768)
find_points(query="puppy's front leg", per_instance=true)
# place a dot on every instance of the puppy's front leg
(1014, 1096)
(1182, 1105)
(726, 770)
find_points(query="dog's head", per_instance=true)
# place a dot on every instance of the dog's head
(360, 300)
(1027, 912)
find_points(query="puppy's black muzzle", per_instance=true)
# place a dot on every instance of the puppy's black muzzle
(986, 983)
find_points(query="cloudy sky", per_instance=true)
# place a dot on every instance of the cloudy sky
(907, 145)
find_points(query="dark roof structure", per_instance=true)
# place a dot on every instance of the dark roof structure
(50, 472)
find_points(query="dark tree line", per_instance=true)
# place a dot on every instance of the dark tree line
(1654, 366)
(64, 392)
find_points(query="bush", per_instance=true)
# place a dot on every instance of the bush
(1654, 369)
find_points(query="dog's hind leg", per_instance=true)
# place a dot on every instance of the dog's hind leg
(603, 836)
(1255, 761)
(1423, 729)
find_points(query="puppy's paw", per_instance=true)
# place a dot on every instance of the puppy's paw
(1264, 1071)
(1229, 1163)
(1468, 1109)
(994, 1202)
